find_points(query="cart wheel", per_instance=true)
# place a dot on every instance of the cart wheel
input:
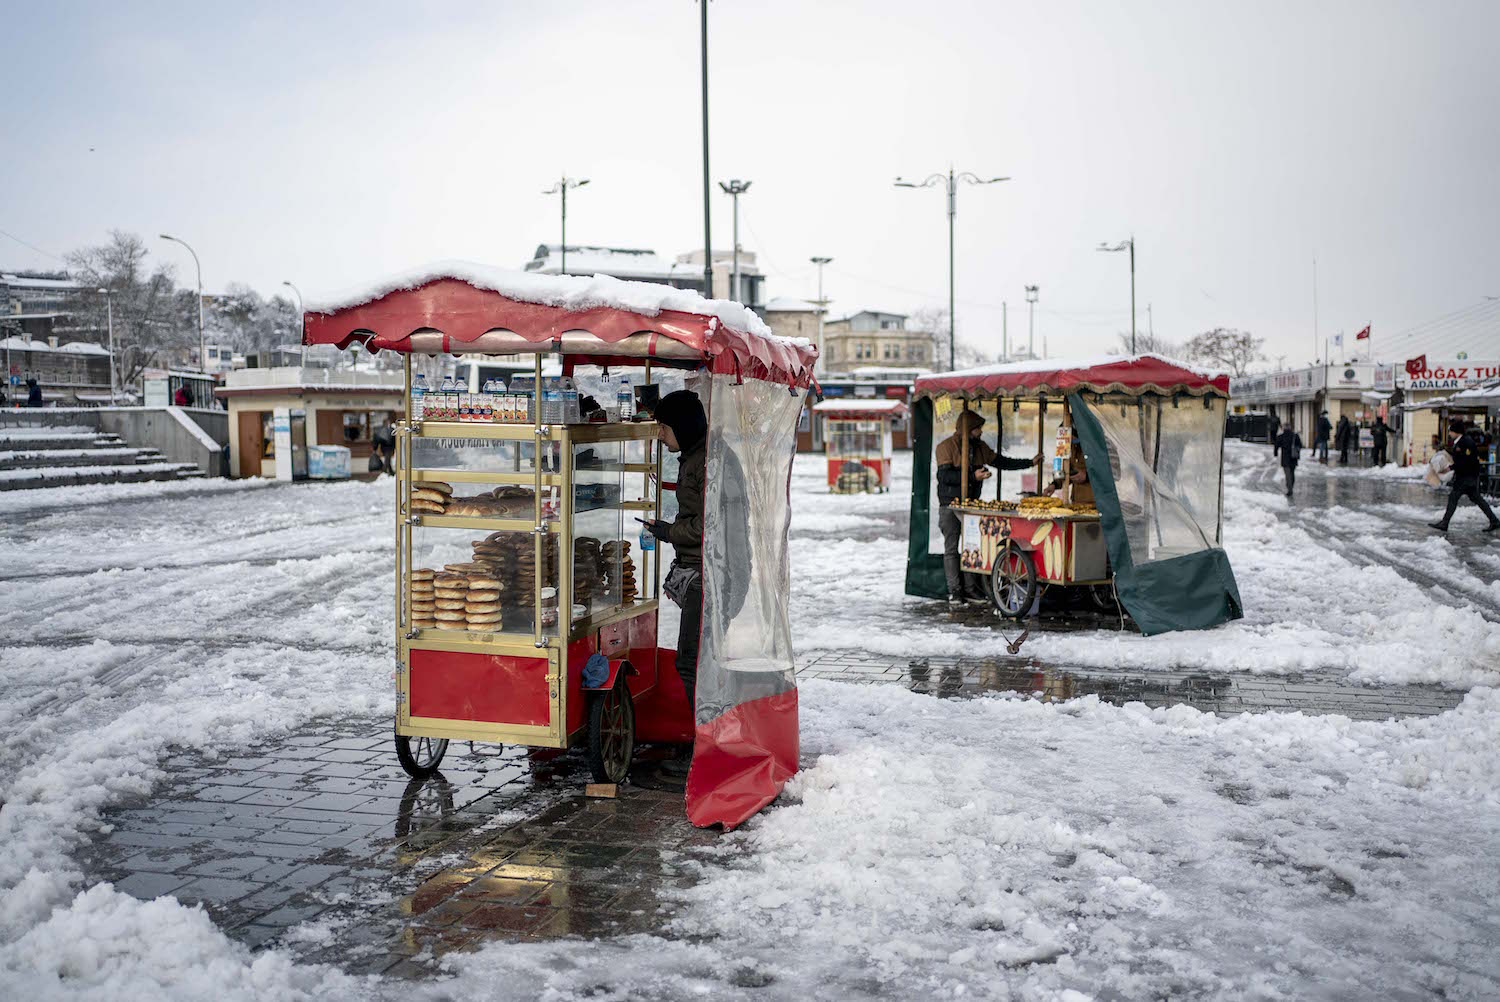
(1013, 582)
(420, 757)
(1102, 596)
(611, 733)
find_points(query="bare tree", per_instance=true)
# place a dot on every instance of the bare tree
(1154, 343)
(1226, 348)
(150, 316)
(933, 321)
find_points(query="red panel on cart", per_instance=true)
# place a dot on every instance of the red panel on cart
(578, 655)
(492, 688)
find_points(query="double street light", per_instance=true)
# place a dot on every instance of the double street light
(561, 188)
(1130, 246)
(951, 181)
(734, 189)
(822, 304)
(109, 305)
(202, 344)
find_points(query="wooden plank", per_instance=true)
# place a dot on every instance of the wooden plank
(601, 791)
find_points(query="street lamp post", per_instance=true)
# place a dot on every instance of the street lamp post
(734, 189)
(561, 188)
(1031, 297)
(298, 293)
(202, 344)
(109, 306)
(822, 305)
(708, 242)
(951, 180)
(1130, 246)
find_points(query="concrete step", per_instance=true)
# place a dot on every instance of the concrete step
(67, 476)
(70, 440)
(113, 456)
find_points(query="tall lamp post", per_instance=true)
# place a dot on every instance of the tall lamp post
(1031, 297)
(109, 306)
(950, 180)
(298, 292)
(734, 189)
(1130, 246)
(708, 242)
(822, 304)
(561, 188)
(202, 344)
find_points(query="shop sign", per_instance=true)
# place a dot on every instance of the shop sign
(1349, 376)
(834, 391)
(864, 391)
(1385, 379)
(896, 392)
(1282, 382)
(1443, 374)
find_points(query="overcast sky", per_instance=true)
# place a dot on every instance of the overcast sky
(327, 143)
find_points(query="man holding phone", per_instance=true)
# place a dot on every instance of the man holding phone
(682, 426)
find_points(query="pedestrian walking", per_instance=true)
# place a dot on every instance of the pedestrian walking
(33, 392)
(1289, 448)
(1321, 431)
(1341, 437)
(1378, 439)
(1464, 449)
(383, 448)
(951, 453)
(1273, 430)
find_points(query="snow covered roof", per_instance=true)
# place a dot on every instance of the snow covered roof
(457, 306)
(860, 408)
(1100, 373)
(790, 304)
(16, 343)
(61, 284)
(619, 262)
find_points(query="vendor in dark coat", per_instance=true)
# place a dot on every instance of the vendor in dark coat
(950, 464)
(1289, 448)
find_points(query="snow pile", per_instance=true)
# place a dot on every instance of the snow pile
(570, 292)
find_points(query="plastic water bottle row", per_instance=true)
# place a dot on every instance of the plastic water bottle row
(497, 403)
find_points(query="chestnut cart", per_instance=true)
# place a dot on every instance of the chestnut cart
(526, 600)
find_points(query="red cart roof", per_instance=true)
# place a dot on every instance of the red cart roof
(859, 410)
(1133, 374)
(457, 307)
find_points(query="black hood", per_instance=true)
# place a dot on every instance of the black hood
(682, 411)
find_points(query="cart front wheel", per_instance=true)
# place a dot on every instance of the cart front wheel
(420, 757)
(611, 733)
(1013, 582)
(1103, 597)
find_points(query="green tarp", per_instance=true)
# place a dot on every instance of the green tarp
(1188, 592)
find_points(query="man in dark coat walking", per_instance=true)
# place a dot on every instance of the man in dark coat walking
(1289, 448)
(1464, 448)
(1341, 437)
(1321, 430)
(1378, 438)
(33, 393)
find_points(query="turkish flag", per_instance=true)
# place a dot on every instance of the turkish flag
(1364, 334)
(1414, 366)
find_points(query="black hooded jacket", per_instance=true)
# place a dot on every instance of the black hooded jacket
(682, 411)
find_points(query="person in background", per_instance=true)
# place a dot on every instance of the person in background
(383, 447)
(33, 392)
(1464, 448)
(1341, 437)
(950, 462)
(1378, 439)
(1321, 431)
(1273, 428)
(1289, 448)
(682, 426)
(181, 398)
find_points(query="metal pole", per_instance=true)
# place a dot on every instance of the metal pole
(708, 243)
(735, 295)
(1004, 332)
(109, 305)
(952, 302)
(822, 310)
(202, 344)
(1132, 294)
(1315, 305)
(563, 184)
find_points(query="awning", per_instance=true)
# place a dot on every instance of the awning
(1131, 374)
(859, 410)
(456, 307)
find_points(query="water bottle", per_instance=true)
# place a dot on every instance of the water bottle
(448, 409)
(648, 541)
(571, 411)
(625, 400)
(497, 401)
(418, 396)
(551, 401)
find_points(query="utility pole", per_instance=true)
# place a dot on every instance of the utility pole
(1127, 245)
(708, 243)
(1315, 305)
(735, 189)
(1004, 333)
(1031, 298)
(822, 306)
(202, 344)
(109, 305)
(561, 188)
(950, 181)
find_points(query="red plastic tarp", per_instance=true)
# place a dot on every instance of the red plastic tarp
(1108, 374)
(461, 313)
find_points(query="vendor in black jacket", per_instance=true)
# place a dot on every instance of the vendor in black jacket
(1464, 448)
(950, 464)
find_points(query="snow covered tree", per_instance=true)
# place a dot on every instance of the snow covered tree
(1154, 343)
(150, 316)
(1226, 348)
(933, 321)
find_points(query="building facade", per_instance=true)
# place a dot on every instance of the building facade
(872, 338)
(639, 265)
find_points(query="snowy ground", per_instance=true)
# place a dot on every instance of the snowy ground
(995, 847)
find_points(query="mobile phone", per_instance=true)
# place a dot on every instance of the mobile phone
(643, 521)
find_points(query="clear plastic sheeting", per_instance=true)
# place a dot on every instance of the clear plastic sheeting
(1166, 462)
(746, 742)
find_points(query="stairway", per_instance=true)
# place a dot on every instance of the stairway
(40, 456)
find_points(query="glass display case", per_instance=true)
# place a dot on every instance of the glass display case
(504, 526)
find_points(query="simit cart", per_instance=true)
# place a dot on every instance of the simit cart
(526, 604)
(857, 438)
(1145, 524)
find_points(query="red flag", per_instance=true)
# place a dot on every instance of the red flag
(1364, 334)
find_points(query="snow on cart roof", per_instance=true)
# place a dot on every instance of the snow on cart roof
(859, 408)
(1134, 374)
(458, 306)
